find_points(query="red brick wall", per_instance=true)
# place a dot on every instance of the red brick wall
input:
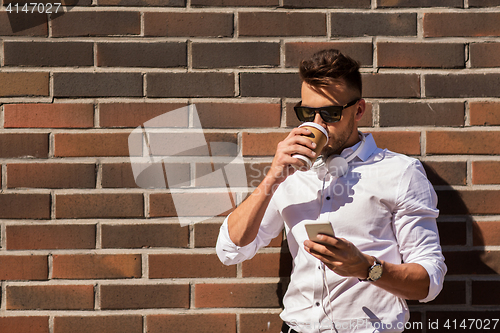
(84, 249)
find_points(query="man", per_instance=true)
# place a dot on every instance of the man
(383, 212)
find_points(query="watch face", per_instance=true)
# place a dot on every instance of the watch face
(375, 272)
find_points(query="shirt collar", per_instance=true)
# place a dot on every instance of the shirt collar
(366, 151)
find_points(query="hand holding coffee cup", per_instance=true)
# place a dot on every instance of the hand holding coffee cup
(319, 136)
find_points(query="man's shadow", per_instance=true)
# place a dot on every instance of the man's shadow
(454, 223)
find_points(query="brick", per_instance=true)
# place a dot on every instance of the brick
(276, 24)
(239, 115)
(51, 175)
(234, 173)
(268, 264)
(24, 145)
(98, 84)
(374, 24)
(103, 205)
(243, 295)
(485, 172)
(452, 233)
(391, 85)
(96, 23)
(24, 206)
(130, 236)
(36, 237)
(178, 24)
(327, 4)
(256, 172)
(484, 3)
(190, 85)
(446, 173)
(101, 323)
(270, 85)
(144, 296)
(230, 55)
(50, 297)
(419, 3)
(53, 54)
(482, 292)
(205, 234)
(484, 55)
(421, 114)
(97, 266)
(261, 144)
(260, 322)
(453, 292)
(482, 318)
(235, 3)
(18, 324)
(472, 262)
(480, 202)
(31, 267)
(167, 144)
(143, 3)
(466, 143)
(91, 144)
(421, 55)
(159, 55)
(461, 24)
(188, 323)
(456, 85)
(484, 113)
(136, 114)
(486, 233)
(404, 142)
(208, 204)
(24, 84)
(49, 115)
(120, 175)
(164, 266)
(20, 24)
(295, 52)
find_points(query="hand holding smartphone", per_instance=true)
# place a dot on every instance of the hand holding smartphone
(314, 229)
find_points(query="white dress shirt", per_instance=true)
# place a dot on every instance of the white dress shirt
(384, 205)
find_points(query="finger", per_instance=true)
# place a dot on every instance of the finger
(332, 241)
(339, 243)
(319, 249)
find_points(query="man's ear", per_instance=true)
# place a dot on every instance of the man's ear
(360, 111)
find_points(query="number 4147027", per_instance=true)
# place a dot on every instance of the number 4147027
(34, 7)
(468, 324)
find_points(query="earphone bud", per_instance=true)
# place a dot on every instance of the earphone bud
(338, 166)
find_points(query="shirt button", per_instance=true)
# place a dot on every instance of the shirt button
(317, 303)
(327, 198)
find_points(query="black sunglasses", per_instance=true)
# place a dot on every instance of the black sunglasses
(330, 114)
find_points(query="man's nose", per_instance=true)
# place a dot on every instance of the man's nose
(318, 120)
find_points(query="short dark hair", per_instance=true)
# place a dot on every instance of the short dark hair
(328, 67)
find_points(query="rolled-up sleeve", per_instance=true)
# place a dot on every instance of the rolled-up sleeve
(416, 228)
(270, 227)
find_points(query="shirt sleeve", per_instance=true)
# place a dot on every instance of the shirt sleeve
(270, 227)
(415, 226)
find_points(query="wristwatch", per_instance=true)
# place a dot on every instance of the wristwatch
(375, 271)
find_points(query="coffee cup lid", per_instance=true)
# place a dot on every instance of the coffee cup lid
(319, 127)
